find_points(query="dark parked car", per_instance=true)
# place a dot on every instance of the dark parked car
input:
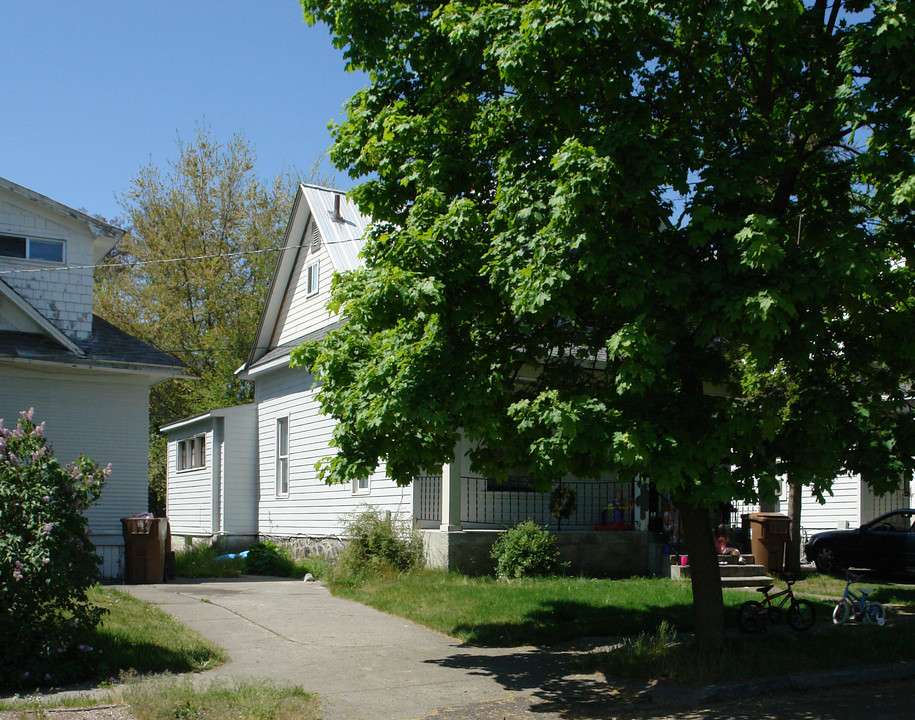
(887, 543)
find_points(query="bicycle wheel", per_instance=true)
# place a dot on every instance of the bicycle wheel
(801, 615)
(750, 617)
(874, 613)
(841, 614)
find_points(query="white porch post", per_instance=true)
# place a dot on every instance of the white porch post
(451, 490)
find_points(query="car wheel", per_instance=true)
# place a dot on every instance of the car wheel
(825, 560)
(801, 616)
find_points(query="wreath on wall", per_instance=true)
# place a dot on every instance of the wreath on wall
(563, 502)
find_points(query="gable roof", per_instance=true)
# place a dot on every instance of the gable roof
(42, 326)
(104, 235)
(106, 347)
(342, 234)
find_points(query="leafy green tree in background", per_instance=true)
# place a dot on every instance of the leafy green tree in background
(520, 161)
(208, 204)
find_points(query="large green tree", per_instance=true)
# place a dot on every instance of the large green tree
(191, 274)
(669, 238)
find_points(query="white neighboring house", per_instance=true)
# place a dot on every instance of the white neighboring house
(458, 511)
(85, 378)
(211, 474)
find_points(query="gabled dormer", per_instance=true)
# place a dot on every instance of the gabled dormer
(47, 254)
(324, 236)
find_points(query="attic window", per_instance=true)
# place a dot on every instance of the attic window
(311, 279)
(315, 238)
(17, 246)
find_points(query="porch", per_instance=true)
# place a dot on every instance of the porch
(606, 534)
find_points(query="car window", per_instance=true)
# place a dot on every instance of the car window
(898, 522)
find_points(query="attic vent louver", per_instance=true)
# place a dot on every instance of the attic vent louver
(335, 214)
(315, 238)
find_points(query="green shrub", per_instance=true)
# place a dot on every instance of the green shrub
(47, 563)
(268, 558)
(378, 545)
(202, 561)
(525, 550)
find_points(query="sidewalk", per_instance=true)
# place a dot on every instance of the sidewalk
(364, 664)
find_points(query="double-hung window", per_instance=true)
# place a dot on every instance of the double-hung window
(361, 485)
(282, 456)
(311, 279)
(191, 453)
(28, 248)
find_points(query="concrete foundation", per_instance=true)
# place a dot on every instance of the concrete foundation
(589, 553)
(302, 547)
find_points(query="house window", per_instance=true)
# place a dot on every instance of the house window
(282, 456)
(311, 279)
(16, 246)
(192, 453)
(361, 485)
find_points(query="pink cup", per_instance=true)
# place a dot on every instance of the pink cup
(684, 560)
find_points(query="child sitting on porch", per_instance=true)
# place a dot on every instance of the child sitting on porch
(722, 544)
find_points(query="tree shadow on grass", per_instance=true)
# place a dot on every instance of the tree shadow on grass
(567, 620)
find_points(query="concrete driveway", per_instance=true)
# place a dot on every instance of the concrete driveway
(365, 664)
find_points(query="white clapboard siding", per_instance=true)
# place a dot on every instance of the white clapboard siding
(102, 415)
(842, 509)
(300, 314)
(189, 494)
(239, 470)
(311, 508)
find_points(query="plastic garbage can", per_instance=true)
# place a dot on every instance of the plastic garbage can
(144, 549)
(768, 537)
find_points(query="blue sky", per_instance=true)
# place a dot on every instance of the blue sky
(94, 90)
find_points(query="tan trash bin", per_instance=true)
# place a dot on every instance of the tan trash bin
(768, 537)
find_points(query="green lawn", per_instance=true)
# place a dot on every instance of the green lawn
(483, 611)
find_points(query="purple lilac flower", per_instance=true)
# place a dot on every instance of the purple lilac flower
(45, 498)
(27, 415)
(84, 648)
(17, 576)
(48, 528)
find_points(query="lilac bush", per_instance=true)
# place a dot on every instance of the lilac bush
(47, 563)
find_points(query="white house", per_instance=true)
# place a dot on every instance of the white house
(458, 511)
(211, 472)
(85, 378)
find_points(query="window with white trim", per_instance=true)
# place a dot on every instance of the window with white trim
(311, 279)
(282, 456)
(361, 485)
(191, 453)
(29, 248)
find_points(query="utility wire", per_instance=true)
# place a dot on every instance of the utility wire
(139, 263)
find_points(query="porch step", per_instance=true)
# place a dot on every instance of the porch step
(732, 575)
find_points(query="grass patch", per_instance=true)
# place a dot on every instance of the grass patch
(180, 699)
(829, 586)
(170, 698)
(200, 561)
(655, 616)
(664, 656)
(535, 611)
(137, 637)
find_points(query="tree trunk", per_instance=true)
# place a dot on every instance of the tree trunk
(793, 549)
(708, 603)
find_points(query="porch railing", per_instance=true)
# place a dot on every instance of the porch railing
(484, 505)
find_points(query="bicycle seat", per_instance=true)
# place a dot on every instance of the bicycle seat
(865, 591)
(764, 589)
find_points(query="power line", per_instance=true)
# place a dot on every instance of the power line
(162, 261)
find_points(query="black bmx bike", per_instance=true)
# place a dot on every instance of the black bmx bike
(754, 616)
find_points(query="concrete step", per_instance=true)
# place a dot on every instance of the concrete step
(731, 575)
(727, 559)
